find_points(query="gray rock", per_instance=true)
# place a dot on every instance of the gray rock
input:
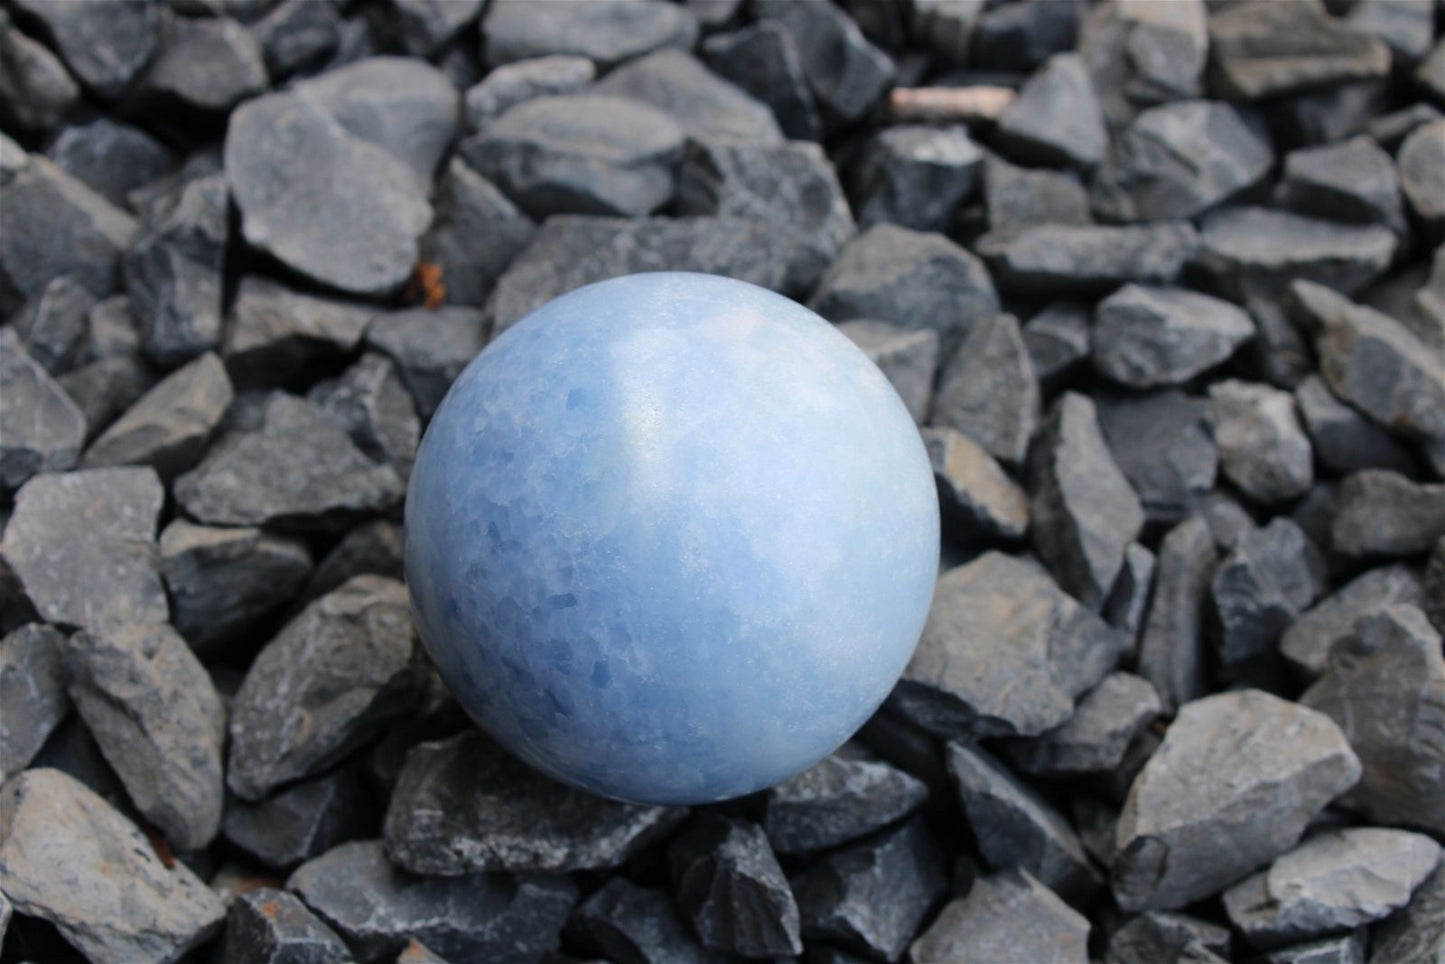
(1252, 252)
(837, 800)
(916, 176)
(55, 225)
(1263, 49)
(1145, 337)
(1049, 258)
(1015, 197)
(637, 925)
(1420, 157)
(729, 886)
(1155, 936)
(1434, 585)
(1306, 644)
(568, 252)
(1261, 587)
(1020, 36)
(430, 348)
(53, 325)
(703, 104)
(1263, 448)
(298, 470)
(221, 581)
(427, 26)
(608, 33)
(1343, 439)
(1096, 737)
(32, 687)
(82, 546)
(106, 387)
(370, 401)
(465, 805)
(1390, 130)
(1162, 443)
(1006, 916)
(328, 682)
(511, 84)
(297, 196)
(580, 155)
(157, 718)
(762, 60)
(1334, 881)
(1430, 75)
(978, 499)
(169, 426)
(1405, 27)
(988, 390)
(105, 44)
(1004, 653)
(1243, 766)
(112, 158)
(946, 28)
(1385, 686)
(377, 908)
(1344, 949)
(476, 233)
(204, 67)
(873, 896)
(41, 429)
(1057, 339)
(1084, 511)
(1382, 513)
(36, 92)
(269, 926)
(845, 72)
(1416, 933)
(1142, 54)
(296, 34)
(1126, 604)
(1017, 828)
(1353, 180)
(373, 547)
(1056, 118)
(907, 357)
(274, 334)
(67, 857)
(791, 187)
(908, 278)
(1171, 649)
(302, 821)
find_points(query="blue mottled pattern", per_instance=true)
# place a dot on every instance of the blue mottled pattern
(671, 538)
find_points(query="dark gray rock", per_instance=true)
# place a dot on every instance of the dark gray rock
(511, 84)
(106, 387)
(1420, 156)
(703, 104)
(298, 470)
(763, 60)
(789, 186)
(1263, 448)
(302, 821)
(41, 429)
(839, 799)
(1143, 54)
(1084, 511)
(32, 687)
(988, 391)
(1057, 340)
(729, 886)
(1261, 587)
(36, 92)
(169, 427)
(82, 546)
(1390, 130)
(1126, 604)
(328, 682)
(1252, 252)
(908, 358)
(1383, 513)
(159, 722)
(1017, 828)
(1343, 439)
(1155, 936)
(1145, 337)
(112, 158)
(608, 32)
(274, 334)
(1344, 949)
(1048, 258)
(1056, 118)
(873, 896)
(945, 27)
(465, 805)
(636, 925)
(1352, 180)
(204, 67)
(1263, 49)
(845, 72)
(568, 252)
(580, 155)
(1430, 75)
(1006, 916)
(377, 908)
(370, 401)
(1385, 686)
(270, 926)
(427, 26)
(1020, 36)
(1334, 881)
(1244, 766)
(105, 44)
(1004, 653)
(296, 34)
(221, 581)
(909, 278)
(1306, 644)
(373, 547)
(1416, 933)
(1096, 737)
(67, 857)
(976, 496)
(53, 325)
(1162, 443)
(1015, 197)
(1433, 585)
(476, 233)
(430, 348)
(1178, 160)
(297, 195)
(916, 176)
(1171, 648)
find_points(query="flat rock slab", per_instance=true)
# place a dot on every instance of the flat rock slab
(988, 390)
(1087, 258)
(1145, 337)
(1008, 916)
(707, 107)
(1263, 49)
(606, 33)
(1097, 736)
(1306, 644)
(169, 426)
(1254, 252)
(32, 690)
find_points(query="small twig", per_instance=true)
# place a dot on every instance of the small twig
(949, 104)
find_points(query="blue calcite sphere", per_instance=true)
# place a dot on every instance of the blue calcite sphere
(671, 538)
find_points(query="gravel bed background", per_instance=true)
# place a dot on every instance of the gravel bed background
(1162, 283)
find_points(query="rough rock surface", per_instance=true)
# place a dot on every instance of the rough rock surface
(1096, 737)
(1147, 337)
(988, 392)
(270, 926)
(1383, 513)
(41, 429)
(169, 426)
(32, 687)
(1267, 579)
(1263, 448)
(976, 496)
(1308, 640)
(908, 357)
(839, 799)
(1162, 443)
(1007, 916)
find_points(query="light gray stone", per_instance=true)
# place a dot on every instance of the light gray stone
(476, 234)
(32, 688)
(1383, 513)
(607, 32)
(169, 427)
(510, 84)
(1096, 737)
(1254, 252)
(1306, 644)
(916, 176)
(1006, 916)
(1416, 933)
(1263, 448)
(705, 106)
(978, 499)
(41, 429)
(1263, 49)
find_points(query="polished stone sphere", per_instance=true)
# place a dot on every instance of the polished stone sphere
(671, 538)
